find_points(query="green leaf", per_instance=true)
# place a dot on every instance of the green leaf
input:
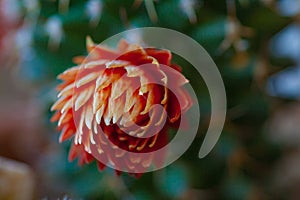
(211, 34)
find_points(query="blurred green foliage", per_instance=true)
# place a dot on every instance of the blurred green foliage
(239, 165)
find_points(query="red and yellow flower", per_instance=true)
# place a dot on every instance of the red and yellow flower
(108, 105)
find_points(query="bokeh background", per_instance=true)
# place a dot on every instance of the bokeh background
(256, 46)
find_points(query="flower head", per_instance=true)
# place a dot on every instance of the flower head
(118, 105)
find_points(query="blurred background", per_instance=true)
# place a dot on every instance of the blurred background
(256, 46)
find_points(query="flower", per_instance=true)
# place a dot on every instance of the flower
(118, 105)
